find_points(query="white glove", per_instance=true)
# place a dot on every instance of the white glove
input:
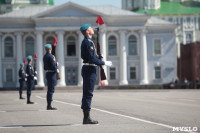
(25, 79)
(35, 72)
(108, 63)
(35, 78)
(57, 64)
(57, 70)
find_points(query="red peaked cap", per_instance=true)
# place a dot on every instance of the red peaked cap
(55, 42)
(99, 20)
(35, 56)
(24, 61)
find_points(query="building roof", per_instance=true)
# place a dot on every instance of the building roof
(35, 10)
(47, 11)
(173, 8)
(111, 10)
(26, 12)
(156, 21)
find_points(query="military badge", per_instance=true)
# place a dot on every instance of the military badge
(92, 48)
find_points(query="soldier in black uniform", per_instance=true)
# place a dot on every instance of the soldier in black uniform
(51, 70)
(90, 61)
(30, 79)
(21, 74)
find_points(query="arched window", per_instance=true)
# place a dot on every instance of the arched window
(71, 46)
(132, 45)
(112, 46)
(29, 46)
(8, 50)
(50, 40)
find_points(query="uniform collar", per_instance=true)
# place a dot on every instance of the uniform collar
(88, 38)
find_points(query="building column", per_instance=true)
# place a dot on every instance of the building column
(102, 40)
(123, 58)
(80, 61)
(1, 82)
(39, 64)
(19, 53)
(143, 58)
(60, 58)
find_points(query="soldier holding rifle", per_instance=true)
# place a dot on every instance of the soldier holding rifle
(51, 71)
(90, 61)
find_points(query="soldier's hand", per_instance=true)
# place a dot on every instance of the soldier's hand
(108, 63)
(35, 72)
(57, 70)
(57, 64)
(35, 78)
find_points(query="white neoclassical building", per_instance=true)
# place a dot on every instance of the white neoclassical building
(142, 48)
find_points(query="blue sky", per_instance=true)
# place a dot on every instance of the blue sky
(116, 3)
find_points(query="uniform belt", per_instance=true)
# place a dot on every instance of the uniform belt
(50, 71)
(87, 64)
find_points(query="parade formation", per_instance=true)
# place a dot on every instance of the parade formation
(91, 59)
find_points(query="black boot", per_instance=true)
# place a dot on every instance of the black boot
(28, 100)
(49, 107)
(20, 96)
(87, 119)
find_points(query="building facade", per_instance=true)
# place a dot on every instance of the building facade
(142, 48)
(189, 63)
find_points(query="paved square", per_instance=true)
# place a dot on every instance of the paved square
(118, 111)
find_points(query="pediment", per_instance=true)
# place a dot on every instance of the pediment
(68, 10)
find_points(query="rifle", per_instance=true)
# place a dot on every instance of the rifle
(103, 75)
(54, 53)
(35, 74)
(25, 70)
(100, 22)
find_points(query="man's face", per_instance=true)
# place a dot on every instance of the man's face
(90, 31)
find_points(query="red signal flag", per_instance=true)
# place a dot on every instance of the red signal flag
(55, 42)
(99, 20)
(35, 56)
(24, 61)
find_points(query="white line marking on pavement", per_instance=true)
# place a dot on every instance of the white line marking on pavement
(2, 111)
(187, 100)
(125, 116)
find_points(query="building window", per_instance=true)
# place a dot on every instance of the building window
(157, 47)
(9, 75)
(188, 38)
(29, 46)
(71, 46)
(132, 72)
(9, 47)
(112, 46)
(132, 45)
(157, 72)
(112, 73)
(50, 40)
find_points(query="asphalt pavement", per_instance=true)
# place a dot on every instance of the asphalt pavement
(118, 111)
